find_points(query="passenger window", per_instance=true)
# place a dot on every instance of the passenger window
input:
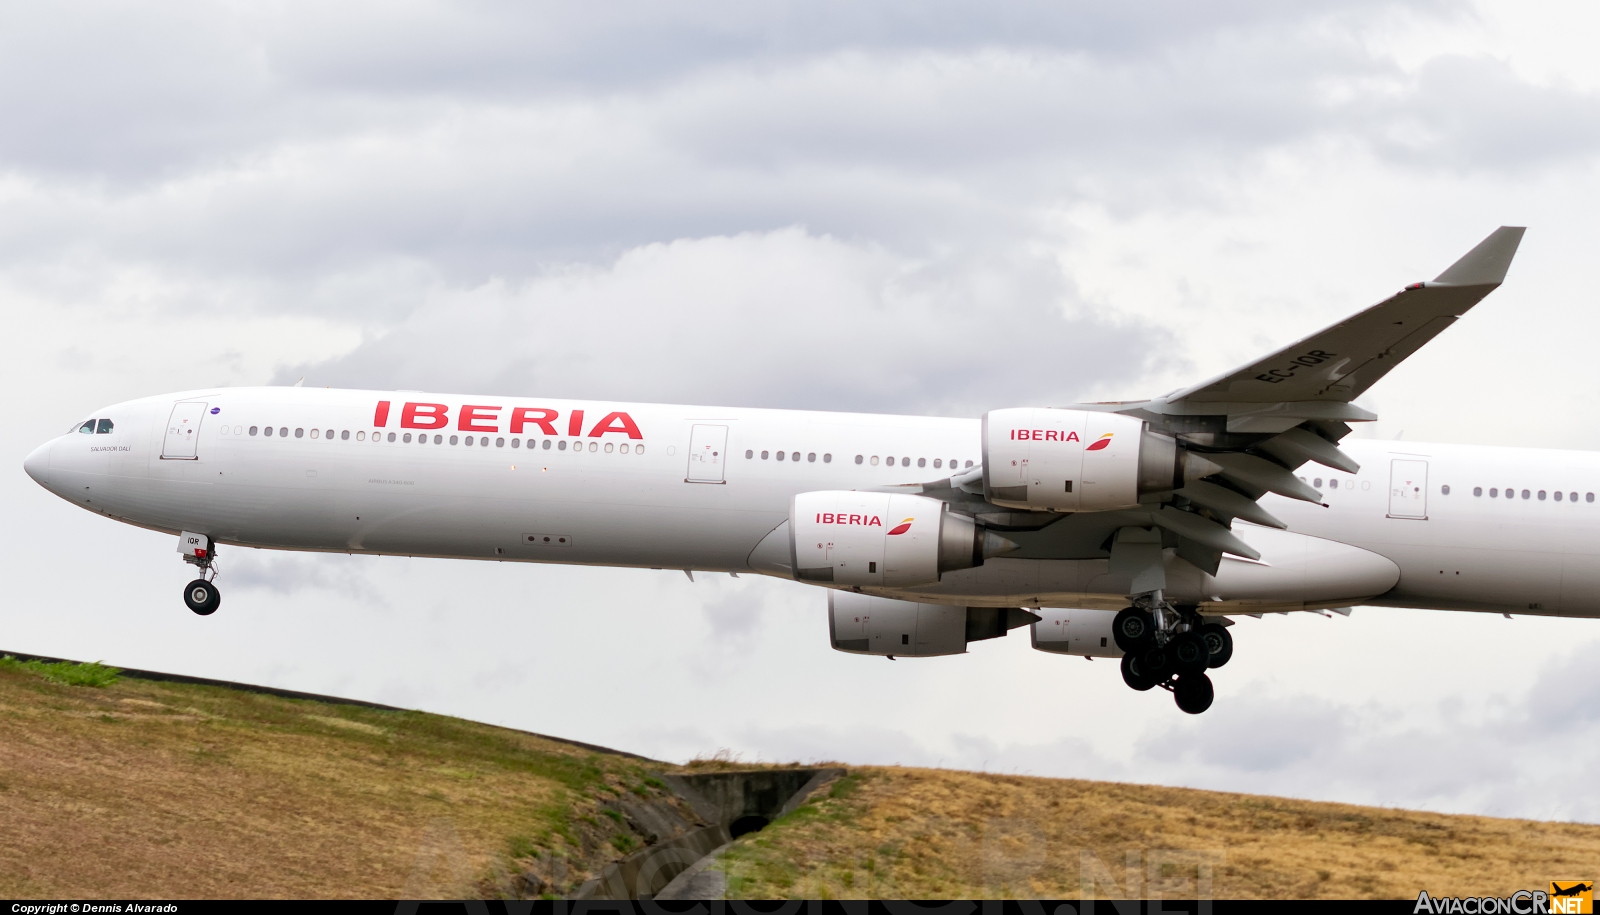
(1445, 491)
(624, 448)
(764, 455)
(253, 430)
(1477, 490)
(874, 460)
(782, 455)
(969, 463)
(827, 459)
(1588, 497)
(794, 456)
(937, 463)
(546, 444)
(1317, 482)
(406, 438)
(516, 443)
(391, 436)
(269, 432)
(1558, 495)
(608, 447)
(360, 436)
(858, 459)
(87, 428)
(499, 442)
(104, 427)
(1334, 484)
(593, 446)
(811, 457)
(889, 461)
(301, 433)
(1494, 493)
(1572, 496)
(638, 449)
(562, 445)
(922, 462)
(1524, 494)
(455, 439)
(1541, 495)
(283, 431)
(314, 433)
(748, 454)
(328, 434)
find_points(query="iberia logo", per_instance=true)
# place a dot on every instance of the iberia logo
(1100, 442)
(900, 528)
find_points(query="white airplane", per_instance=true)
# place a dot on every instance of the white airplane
(1125, 530)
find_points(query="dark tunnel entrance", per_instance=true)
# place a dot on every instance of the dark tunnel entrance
(746, 824)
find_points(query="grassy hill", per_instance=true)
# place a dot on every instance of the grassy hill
(121, 787)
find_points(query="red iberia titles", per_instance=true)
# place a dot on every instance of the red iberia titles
(1043, 435)
(489, 418)
(840, 518)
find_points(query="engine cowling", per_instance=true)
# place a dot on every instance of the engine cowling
(863, 624)
(1076, 631)
(883, 539)
(1044, 459)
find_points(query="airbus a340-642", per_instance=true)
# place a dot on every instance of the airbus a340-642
(1130, 530)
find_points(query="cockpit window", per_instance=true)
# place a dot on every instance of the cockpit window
(105, 426)
(87, 428)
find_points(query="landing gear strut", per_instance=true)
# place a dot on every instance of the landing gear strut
(200, 595)
(1170, 647)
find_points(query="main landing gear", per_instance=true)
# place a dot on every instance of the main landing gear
(200, 595)
(1170, 647)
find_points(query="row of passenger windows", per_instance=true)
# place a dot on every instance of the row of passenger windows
(1511, 493)
(96, 427)
(422, 438)
(811, 457)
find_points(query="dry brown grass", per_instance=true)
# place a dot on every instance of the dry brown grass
(920, 833)
(169, 790)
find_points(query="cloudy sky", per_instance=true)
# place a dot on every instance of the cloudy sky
(923, 207)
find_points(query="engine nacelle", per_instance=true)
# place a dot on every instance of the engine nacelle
(1076, 631)
(883, 539)
(863, 624)
(1045, 459)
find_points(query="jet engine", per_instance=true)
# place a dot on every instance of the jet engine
(883, 539)
(862, 624)
(1076, 631)
(1045, 459)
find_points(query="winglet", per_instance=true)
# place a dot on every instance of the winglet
(1485, 265)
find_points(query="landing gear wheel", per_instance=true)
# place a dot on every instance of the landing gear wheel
(1193, 693)
(1218, 642)
(1133, 673)
(202, 597)
(1156, 663)
(1189, 652)
(1132, 629)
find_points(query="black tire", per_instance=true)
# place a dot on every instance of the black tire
(1189, 653)
(1156, 663)
(1132, 629)
(1219, 642)
(1133, 674)
(202, 597)
(1193, 693)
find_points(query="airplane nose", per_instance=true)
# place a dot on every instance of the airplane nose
(37, 464)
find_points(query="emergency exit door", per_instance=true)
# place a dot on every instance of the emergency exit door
(183, 432)
(1408, 489)
(708, 452)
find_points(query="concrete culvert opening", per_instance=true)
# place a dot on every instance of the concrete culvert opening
(745, 825)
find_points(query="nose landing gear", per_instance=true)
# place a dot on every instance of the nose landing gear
(1171, 647)
(200, 595)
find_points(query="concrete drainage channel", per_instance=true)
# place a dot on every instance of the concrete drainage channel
(728, 805)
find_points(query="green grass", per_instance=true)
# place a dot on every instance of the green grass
(92, 674)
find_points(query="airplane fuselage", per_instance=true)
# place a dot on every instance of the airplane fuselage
(710, 488)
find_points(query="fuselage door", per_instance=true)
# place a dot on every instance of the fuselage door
(1408, 489)
(708, 451)
(183, 432)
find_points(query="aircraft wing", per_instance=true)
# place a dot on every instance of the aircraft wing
(1310, 378)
